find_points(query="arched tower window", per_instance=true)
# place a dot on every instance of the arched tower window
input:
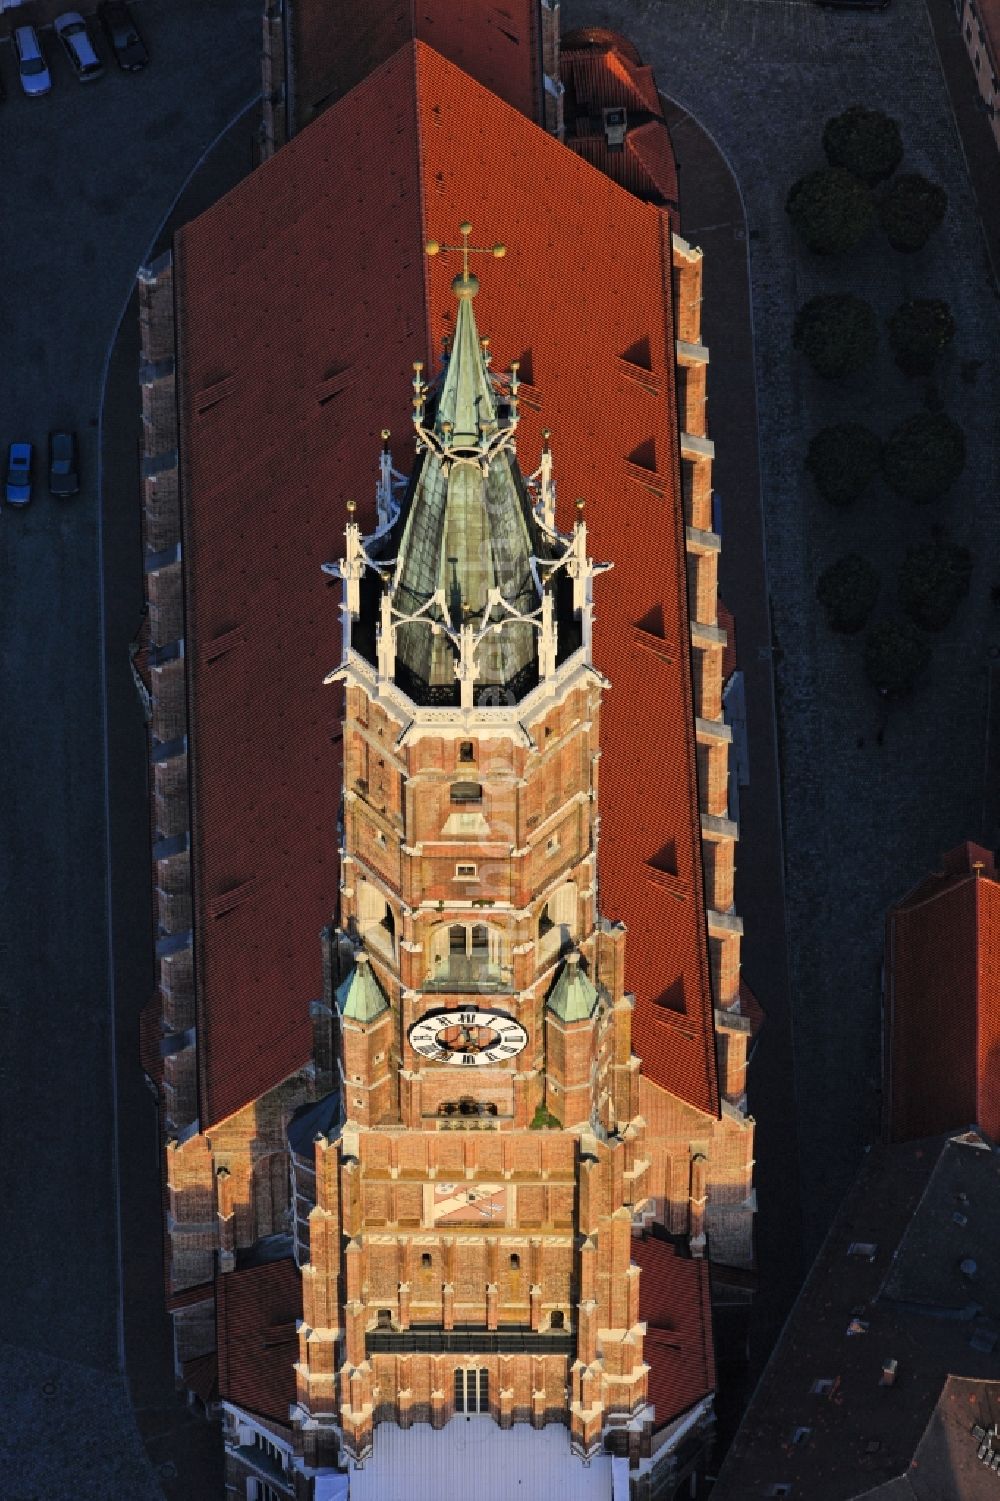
(558, 923)
(467, 955)
(376, 920)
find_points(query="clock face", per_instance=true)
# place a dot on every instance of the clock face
(467, 1037)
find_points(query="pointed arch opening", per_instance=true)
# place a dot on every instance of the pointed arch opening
(376, 919)
(468, 956)
(558, 923)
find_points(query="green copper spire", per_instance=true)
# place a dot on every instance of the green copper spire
(360, 997)
(573, 996)
(468, 532)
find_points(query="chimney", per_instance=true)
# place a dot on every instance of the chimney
(615, 122)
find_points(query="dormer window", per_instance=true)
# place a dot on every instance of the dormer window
(466, 792)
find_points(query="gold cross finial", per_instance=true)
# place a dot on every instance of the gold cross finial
(434, 247)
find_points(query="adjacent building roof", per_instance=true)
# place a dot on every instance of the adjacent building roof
(256, 1313)
(859, 1398)
(303, 296)
(675, 1305)
(601, 71)
(474, 1456)
(942, 991)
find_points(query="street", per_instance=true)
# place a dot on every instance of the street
(97, 170)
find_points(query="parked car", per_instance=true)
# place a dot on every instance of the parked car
(19, 457)
(64, 464)
(31, 66)
(71, 29)
(123, 35)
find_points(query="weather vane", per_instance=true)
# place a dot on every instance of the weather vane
(434, 247)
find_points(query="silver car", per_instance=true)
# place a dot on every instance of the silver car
(31, 66)
(71, 29)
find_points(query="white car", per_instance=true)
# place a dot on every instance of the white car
(31, 66)
(71, 29)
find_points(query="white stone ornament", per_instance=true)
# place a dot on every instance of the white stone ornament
(467, 1037)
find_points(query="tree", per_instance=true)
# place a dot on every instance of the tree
(895, 656)
(837, 334)
(847, 590)
(919, 330)
(924, 455)
(843, 460)
(911, 210)
(932, 580)
(831, 209)
(865, 142)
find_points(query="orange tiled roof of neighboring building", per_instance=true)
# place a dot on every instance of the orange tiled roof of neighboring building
(599, 71)
(303, 297)
(674, 1303)
(596, 73)
(943, 1000)
(255, 1313)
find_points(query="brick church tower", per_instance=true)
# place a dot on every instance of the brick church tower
(469, 1252)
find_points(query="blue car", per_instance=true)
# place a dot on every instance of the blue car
(19, 457)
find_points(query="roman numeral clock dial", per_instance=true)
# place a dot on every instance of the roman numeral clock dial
(467, 1037)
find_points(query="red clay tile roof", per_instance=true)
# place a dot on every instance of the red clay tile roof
(603, 78)
(255, 1315)
(275, 294)
(150, 1036)
(338, 43)
(899, 1295)
(674, 1303)
(603, 38)
(600, 76)
(943, 1000)
(201, 1376)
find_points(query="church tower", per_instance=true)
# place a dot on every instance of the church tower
(469, 1252)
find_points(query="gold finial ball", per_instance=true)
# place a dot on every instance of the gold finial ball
(352, 506)
(465, 229)
(580, 504)
(432, 247)
(546, 433)
(499, 250)
(386, 435)
(465, 286)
